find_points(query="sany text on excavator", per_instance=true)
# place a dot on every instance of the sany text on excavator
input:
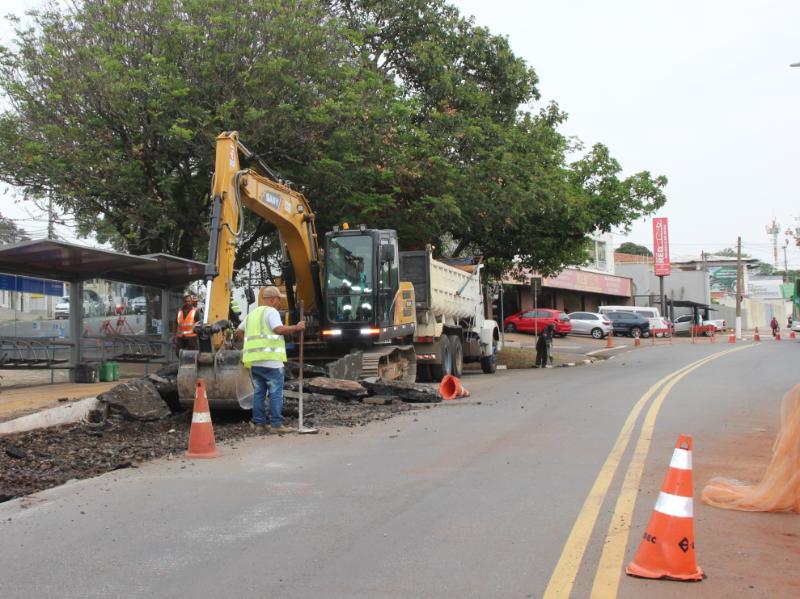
(360, 316)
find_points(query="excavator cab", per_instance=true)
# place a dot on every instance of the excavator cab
(365, 300)
(367, 309)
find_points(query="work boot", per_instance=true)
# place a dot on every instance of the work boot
(259, 428)
(281, 430)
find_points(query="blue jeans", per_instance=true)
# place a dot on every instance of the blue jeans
(267, 380)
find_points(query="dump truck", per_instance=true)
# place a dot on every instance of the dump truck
(451, 325)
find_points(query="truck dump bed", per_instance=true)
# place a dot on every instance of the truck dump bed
(441, 288)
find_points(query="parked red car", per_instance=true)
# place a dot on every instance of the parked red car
(534, 321)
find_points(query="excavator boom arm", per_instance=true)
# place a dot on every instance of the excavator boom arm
(235, 189)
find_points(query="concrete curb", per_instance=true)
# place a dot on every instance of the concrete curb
(578, 363)
(66, 414)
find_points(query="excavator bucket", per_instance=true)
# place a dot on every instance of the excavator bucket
(227, 380)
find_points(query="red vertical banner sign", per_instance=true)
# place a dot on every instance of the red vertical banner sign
(661, 247)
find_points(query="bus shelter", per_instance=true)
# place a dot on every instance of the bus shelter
(63, 304)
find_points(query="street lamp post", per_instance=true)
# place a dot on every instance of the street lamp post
(785, 262)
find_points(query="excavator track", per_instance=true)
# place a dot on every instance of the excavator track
(390, 363)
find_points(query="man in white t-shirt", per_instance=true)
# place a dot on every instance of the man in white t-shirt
(264, 353)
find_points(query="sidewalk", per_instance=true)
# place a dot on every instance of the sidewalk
(23, 391)
(21, 401)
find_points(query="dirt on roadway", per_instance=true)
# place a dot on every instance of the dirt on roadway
(45, 458)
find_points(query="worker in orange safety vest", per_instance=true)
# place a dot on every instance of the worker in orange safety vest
(184, 336)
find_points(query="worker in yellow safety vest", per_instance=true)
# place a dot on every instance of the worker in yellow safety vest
(184, 336)
(264, 353)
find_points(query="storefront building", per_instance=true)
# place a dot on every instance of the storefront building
(571, 290)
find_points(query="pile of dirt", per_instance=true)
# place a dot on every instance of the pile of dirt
(46, 458)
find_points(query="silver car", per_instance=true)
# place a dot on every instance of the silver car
(590, 323)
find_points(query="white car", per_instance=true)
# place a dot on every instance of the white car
(590, 323)
(795, 327)
(139, 305)
(720, 323)
(661, 326)
(92, 306)
(684, 322)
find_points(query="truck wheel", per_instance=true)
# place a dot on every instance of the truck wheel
(489, 363)
(457, 350)
(445, 367)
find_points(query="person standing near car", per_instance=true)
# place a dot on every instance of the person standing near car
(184, 336)
(543, 346)
(264, 354)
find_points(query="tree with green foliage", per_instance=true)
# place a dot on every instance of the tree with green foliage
(10, 232)
(634, 249)
(727, 253)
(396, 114)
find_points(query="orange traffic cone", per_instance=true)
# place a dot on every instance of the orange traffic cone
(201, 435)
(778, 336)
(451, 388)
(637, 342)
(732, 337)
(667, 548)
(792, 335)
(756, 336)
(610, 340)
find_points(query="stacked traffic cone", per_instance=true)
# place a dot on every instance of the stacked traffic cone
(201, 435)
(732, 337)
(451, 388)
(667, 547)
(610, 340)
(756, 336)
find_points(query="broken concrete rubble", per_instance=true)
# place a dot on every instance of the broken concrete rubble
(135, 400)
(338, 387)
(410, 392)
(309, 370)
(381, 400)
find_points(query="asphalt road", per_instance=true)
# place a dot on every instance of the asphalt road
(479, 498)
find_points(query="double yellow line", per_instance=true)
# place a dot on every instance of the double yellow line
(606, 581)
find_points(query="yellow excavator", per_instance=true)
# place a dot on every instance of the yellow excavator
(360, 317)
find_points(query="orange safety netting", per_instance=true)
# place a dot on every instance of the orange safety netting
(779, 489)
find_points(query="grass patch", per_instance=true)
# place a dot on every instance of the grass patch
(514, 358)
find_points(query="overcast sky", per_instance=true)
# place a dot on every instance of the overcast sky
(701, 92)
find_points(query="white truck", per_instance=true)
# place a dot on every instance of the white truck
(451, 326)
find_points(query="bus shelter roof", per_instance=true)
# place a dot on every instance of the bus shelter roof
(63, 261)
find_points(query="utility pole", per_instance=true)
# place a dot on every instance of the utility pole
(773, 231)
(706, 282)
(51, 231)
(785, 262)
(739, 286)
